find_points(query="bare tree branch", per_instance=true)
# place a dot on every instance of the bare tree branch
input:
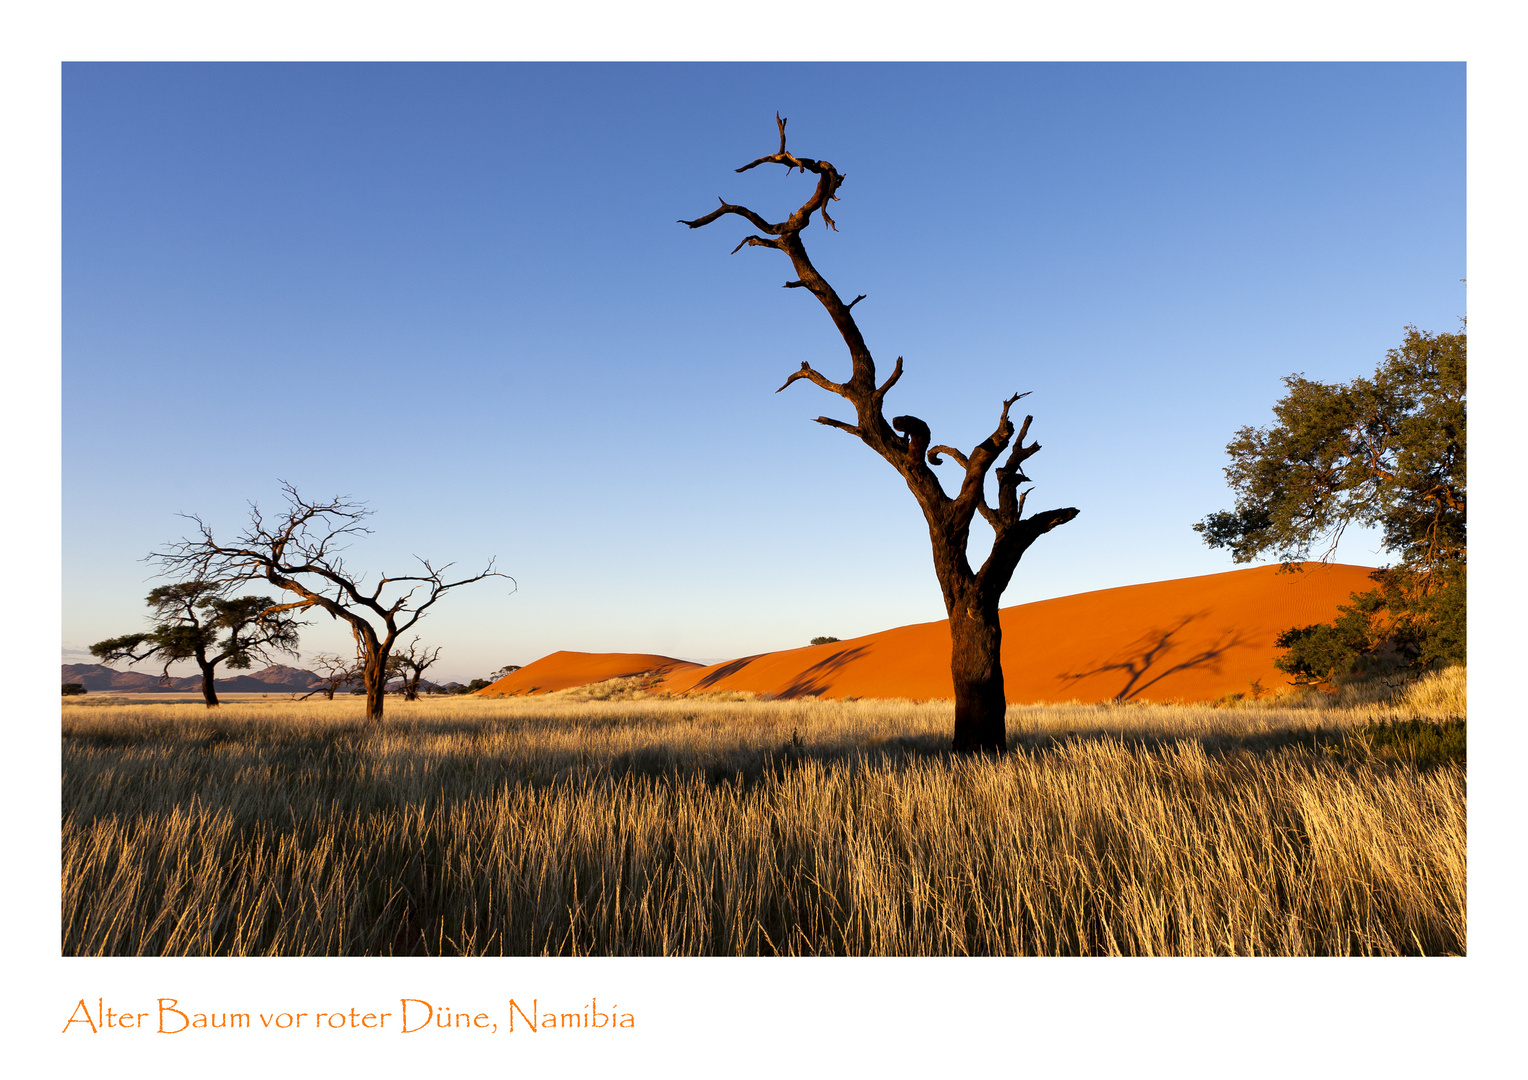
(807, 372)
(880, 394)
(948, 451)
(300, 556)
(334, 673)
(741, 211)
(830, 422)
(755, 241)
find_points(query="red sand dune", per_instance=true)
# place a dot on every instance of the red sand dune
(1192, 639)
(564, 669)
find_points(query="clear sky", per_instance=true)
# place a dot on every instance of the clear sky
(459, 293)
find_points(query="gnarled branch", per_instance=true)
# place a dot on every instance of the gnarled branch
(741, 211)
(948, 451)
(916, 435)
(970, 598)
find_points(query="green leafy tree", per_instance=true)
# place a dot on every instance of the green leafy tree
(193, 620)
(1386, 452)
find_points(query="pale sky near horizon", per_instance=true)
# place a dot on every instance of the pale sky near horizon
(459, 293)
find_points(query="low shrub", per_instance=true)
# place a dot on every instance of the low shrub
(1416, 742)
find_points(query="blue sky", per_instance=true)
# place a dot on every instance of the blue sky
(459, 293)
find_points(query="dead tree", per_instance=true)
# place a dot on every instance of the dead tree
(411, 664)
(300, 553)
(970, 596)
(334, 673)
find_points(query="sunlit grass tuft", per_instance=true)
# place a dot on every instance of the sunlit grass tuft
(610, 822)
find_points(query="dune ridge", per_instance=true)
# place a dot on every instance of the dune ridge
(563, 670)
(1188, 639)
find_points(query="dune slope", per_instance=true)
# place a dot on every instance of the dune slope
(562, 670)
(1191, 639)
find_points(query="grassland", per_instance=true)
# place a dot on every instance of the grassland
(610, 822)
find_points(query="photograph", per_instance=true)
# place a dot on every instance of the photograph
(693, 540)
(496, 593)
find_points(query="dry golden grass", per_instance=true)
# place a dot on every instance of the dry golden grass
(605, 822)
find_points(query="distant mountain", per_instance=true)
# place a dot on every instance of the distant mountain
(283, 674)
(101, 677)
(276, 679)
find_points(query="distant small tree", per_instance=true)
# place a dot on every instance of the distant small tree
(410, 664)
(300, 553)
(478, 684)
(189, 618)
(335, 672)
(73, 689)
(823, 640)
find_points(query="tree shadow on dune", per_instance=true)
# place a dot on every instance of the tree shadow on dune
(1146, 661)
(815, 680)
(732, 667)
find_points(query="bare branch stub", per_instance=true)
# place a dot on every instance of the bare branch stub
(906, 443)
(839, 424)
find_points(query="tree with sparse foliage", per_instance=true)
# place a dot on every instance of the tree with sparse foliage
(300, 553)
(411, 664)
(970, 595)
(196, 620)
(334, 673)
(1386, 452)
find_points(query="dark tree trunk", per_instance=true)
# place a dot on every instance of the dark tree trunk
(976, 667)
(209, 684)
(375, 679)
